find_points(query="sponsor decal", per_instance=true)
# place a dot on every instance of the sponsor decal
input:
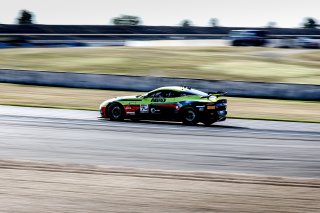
(131, 109)
(158, 100)
(165, 105)
(144, 108)
(153, 110)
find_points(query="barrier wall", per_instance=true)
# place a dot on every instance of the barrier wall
(147, 83)
(67, 30)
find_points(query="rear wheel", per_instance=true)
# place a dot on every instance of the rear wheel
(189, 116)
(116, 112)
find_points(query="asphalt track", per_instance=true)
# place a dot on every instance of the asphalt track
(234, 146)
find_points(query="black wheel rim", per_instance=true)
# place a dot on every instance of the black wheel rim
(190, 115)
(116, 112)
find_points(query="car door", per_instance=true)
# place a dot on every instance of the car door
(163, 105)
(148, 107)
(168, 107)
(156, 100)
(159, 105)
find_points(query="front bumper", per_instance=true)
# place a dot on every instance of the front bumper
(221, 115)
(103, 111)
(215, 115)
(217, 111)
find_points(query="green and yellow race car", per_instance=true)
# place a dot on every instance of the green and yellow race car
(175, 103)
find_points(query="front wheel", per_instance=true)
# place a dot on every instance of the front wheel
(116, 112)
(189, 116)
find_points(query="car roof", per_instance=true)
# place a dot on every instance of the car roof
(174, 88)
(180, 89)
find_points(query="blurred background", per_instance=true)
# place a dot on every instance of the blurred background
(249, 62)
(71, 56)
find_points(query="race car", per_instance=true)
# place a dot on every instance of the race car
(174, 103)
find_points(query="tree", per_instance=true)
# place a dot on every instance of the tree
(186, 23)
(271, 24)
(126, 20)
(25, 17)
(214, 22)
(310, 23)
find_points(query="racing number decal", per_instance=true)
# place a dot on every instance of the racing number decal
(144, 108)
(158, 100)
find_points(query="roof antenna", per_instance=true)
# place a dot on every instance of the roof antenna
(184, 86)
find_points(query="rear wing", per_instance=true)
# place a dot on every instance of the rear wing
(217, 94)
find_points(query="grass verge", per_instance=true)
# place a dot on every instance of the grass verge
(216, 63)
(90, 99)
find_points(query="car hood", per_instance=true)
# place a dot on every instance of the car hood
(126, 98)
(121, 98)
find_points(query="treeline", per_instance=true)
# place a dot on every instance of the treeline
(27, 17)
(111, 29)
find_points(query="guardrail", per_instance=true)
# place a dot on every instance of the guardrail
(147, 83)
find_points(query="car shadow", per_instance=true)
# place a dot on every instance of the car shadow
(175, 123)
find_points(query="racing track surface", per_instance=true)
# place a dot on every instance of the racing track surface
(234, 146)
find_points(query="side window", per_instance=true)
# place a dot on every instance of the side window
(172, 94)
(182, 94)
(156, 94)
(164, 94)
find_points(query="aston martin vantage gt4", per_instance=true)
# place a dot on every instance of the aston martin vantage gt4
(174, 103)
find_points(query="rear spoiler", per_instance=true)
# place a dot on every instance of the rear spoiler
(218, 94)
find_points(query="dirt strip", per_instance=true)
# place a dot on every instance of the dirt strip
(42, 187)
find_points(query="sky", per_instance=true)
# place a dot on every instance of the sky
(230, 13)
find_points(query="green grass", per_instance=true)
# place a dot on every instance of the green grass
(224, 63)
(90, 99)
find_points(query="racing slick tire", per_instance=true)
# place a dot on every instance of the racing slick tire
(116, 112)
(189, 116)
